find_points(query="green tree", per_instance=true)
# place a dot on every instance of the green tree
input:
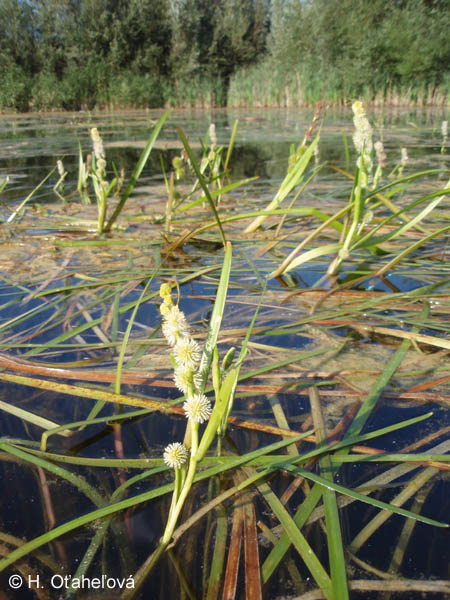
(17, 54)
(56, 28)
(354, 44)
(418, 41)
(139, 35)
(214, 38)
(17, 39)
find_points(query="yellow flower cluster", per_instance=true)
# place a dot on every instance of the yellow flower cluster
(166, 295)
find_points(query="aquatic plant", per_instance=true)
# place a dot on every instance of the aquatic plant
(356, 222)
(212, 479)
(210, 176)
(362, 139)
(298, 163)
(94, 169)
(186, 356)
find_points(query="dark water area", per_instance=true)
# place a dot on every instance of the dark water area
(31, 144)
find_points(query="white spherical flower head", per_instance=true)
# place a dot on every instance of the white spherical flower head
(175, 455)
(362, 138)
(183, 379)
(187, 352)
(175, 325)
(197, 408)
(364, 162)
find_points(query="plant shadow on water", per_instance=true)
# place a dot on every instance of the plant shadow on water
(337, 300)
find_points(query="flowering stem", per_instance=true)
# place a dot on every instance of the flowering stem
(188, 436)
(175, 512)
(176, 491)
(182, 487)
(101, 213)
(194, 438)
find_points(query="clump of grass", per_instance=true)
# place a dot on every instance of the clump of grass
(267, 85)
(210, 169)
(199, 91)
(270, 84)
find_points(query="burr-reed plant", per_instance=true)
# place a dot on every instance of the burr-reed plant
(58, 188)
(191, 370)
(102, 187)
(94, 170)
(357, 222)
(356, 233)
(294, 180)
(211, 176)
(362, 140)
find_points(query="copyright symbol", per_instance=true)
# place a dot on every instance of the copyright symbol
(15, 581)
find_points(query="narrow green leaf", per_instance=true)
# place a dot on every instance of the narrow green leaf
(301, 516)
(14, 214)
(278, 552)
(76, 481)
(219, 411)
(216, 317)
(202, 182)
(292, 179)
(215, 194)
(357, 496)
(32, 418)
(123, 346)
(370, 240)
(419, 457)
(218, 560)
(139, 499)
(298, 540)
(137, 170)
(312, 255)
(336, 556)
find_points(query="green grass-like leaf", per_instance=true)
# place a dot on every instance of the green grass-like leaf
(202, 182)
(139, 499)
(357, 496)
(216, 317)
(292, 180)
(137, 171)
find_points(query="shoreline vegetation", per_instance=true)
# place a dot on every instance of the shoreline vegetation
(84, 55)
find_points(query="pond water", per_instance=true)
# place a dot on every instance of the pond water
(31, 144)
(66, 300)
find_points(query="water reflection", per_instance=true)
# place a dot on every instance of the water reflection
(31, 144)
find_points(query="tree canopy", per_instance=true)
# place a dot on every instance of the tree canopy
(84, 53)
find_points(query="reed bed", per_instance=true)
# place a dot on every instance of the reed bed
(298, 404)
(263, 85)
